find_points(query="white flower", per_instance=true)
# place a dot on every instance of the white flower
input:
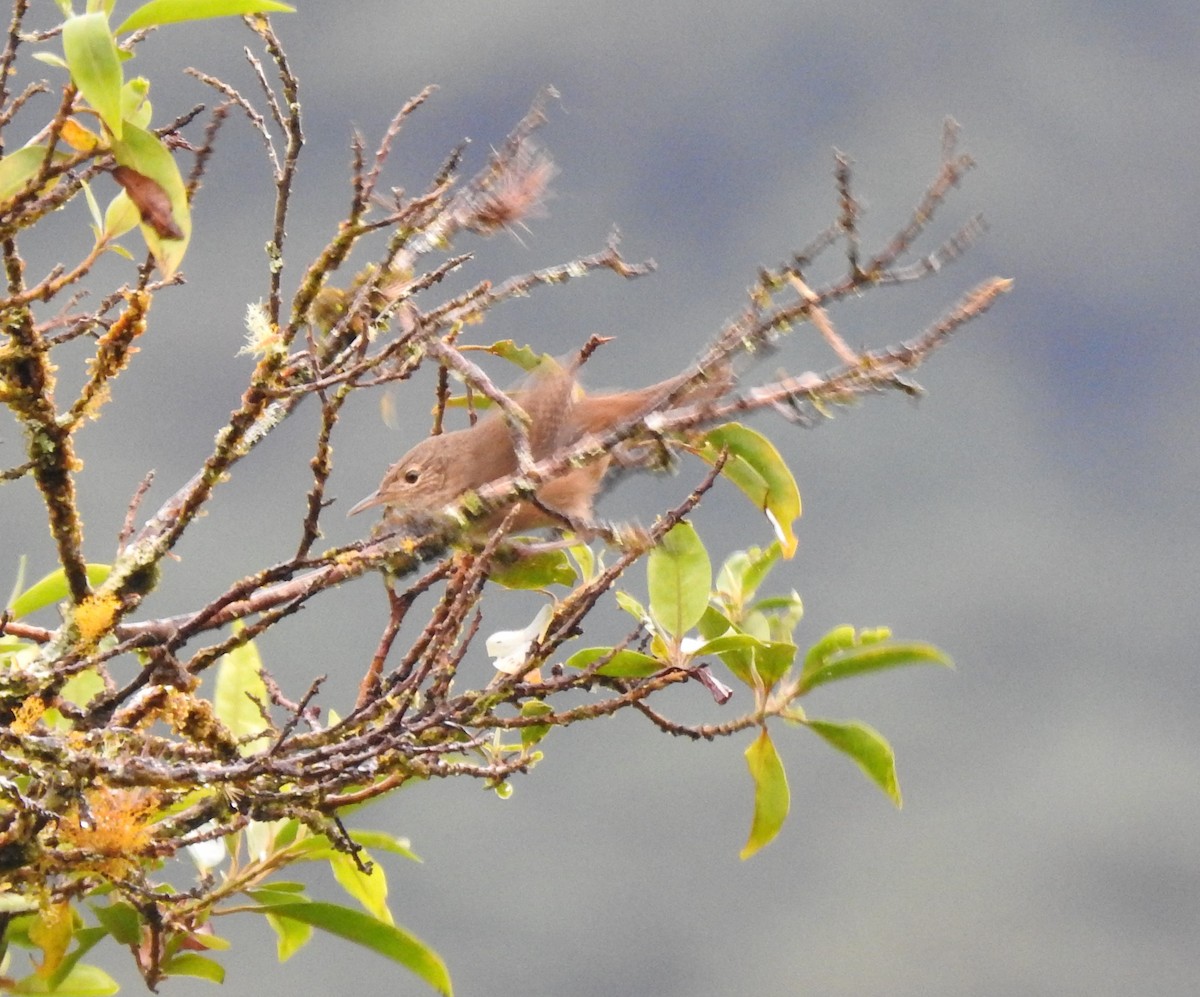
(208, 854)
(509, 647)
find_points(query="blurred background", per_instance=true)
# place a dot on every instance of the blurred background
(1034, 515)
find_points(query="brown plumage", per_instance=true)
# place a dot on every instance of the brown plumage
(441, 468)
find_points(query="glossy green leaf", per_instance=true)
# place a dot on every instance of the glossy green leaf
(387, 940)
(679, 576)
(861, 659)
(772, 800)
(536, 571)
(194, 964)
(757, 468)
(95, 64)
(867, 747)
(624, 664)
(167, 205)
(51, 589)
(173, 11)
(239, 676)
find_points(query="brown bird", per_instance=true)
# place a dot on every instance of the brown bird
(441, 468)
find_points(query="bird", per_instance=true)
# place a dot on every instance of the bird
(444, 467)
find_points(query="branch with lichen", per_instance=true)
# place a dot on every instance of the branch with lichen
(98, 787)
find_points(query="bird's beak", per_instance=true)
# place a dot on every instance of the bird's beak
(370, 500)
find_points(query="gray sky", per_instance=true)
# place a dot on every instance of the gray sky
(1034, 515)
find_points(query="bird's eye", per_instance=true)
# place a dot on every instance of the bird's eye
(411, 476)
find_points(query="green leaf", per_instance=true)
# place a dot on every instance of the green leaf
(239, 676)
(194, 964)
(714, 624)
(772, 800)
(51, 59)
(135, 108)
(277, 893)
(163, 205)
(534, 733)
(82, 981)
(679, 576)
(842, 654)
(757, 468)
(743, 572)
(867, 747)
(85, 940)
(95, 64)
(173, 11)
(536, 571)
(120, 216)
(585, 560)
(632, 606)
(18, 168)
(53, 588)
(386, 939)
(290, 936)
(81, 688)
(746, 656)
(121, 921)
(369, 889)
(624, 664)
(525, 357)
(93, 209)
(382, 841)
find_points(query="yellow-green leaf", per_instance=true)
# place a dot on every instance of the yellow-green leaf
(872, 657)
(290, 935)
(536, 571)
(194, 964)
(772, 800)
(757, 468)
(239, 676)
(173, 11)
(679, 576)
(120, 216)
(532, 734)
(95, 64)
(18, 168)
(51, 589)
(369, 889)
(121, 920)
(382, 841)
(362, 929)
(163, 204)
(624, 664)
(135, 108)
(867, 747)
(82, 981)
